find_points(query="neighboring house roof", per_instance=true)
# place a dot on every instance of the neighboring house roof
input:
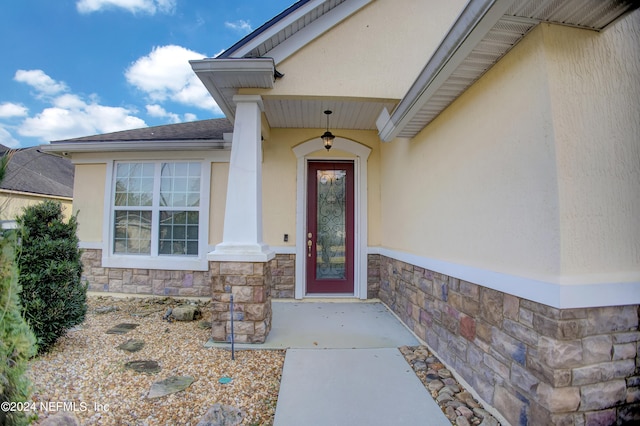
(31, 171)
(203, 134)
(483, 33)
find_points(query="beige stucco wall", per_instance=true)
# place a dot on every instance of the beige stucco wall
(367, 55)
(88, 194)
(595, 92)
(279, 170)
(478, 186)
(12, 204)
(534, 171)
(217, 201)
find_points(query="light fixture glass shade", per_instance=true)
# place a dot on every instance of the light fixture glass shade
(327, 139)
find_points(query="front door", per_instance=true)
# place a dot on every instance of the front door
(330, 227)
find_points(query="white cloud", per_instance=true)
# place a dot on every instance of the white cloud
(69, 101)
(40, 81)
(7, 140)
(165, 74)
(71, 117)
(133, 6)
(9, 109)
(158, 111)
(240, 26)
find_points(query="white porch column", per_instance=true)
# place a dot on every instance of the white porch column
(242, 237)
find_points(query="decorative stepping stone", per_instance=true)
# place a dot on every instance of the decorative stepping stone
(170, 385)
(131, 345)
(143, 366)
(205, 325)
(122, 328)
(222, 415)
(106, 309)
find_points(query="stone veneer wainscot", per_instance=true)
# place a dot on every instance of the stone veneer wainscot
(534, 364)
(157, 282)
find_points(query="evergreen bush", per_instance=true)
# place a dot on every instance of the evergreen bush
(54, 298)
(17, 342)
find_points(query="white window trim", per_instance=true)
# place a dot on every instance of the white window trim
(166, 262)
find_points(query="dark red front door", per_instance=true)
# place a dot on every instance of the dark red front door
(330, 215)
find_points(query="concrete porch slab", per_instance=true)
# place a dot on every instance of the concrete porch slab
(353, 387)
(331, 325)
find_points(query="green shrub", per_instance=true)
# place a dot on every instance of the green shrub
(53, 297)
(17, 343)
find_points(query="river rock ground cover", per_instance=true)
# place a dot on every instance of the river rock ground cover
(85, 372)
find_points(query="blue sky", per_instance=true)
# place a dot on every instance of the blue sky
(71, 68)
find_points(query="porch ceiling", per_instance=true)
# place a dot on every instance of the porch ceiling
(358, 114)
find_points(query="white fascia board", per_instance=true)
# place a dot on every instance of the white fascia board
(122, 146)
(207, 69)
(474, 22)
(233, 65)
(217, 95)
(306, 35)
(277, 27)
(314, 30)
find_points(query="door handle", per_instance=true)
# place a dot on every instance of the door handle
(309, 244)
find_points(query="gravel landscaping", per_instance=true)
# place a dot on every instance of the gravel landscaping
(87, 370)
(91, 371)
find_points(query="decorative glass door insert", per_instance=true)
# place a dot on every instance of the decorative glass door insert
(330, 227)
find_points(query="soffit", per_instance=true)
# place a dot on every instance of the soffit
(279, 29)
(358, 114)
(481, 53)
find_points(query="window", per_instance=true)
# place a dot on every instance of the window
(157, 209)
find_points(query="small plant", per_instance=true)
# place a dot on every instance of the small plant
(53, 297)
(17, 342)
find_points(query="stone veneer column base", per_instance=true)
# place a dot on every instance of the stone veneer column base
(536, 365)
(250, 284)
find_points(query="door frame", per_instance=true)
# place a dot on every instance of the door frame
(346, 284)
(313, 150)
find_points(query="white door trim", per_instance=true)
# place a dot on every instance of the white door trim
(312, 150)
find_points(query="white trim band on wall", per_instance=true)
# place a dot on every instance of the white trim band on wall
(556, 294)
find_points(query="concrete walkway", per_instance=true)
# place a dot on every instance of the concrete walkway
(343, 367)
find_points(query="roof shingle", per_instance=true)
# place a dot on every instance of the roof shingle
(32, 171)
(212, 129)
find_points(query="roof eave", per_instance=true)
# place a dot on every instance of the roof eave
(477, 18)
(279, 27)
(445, 78)
(220, 75)
(66, 148)
(267, 30)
